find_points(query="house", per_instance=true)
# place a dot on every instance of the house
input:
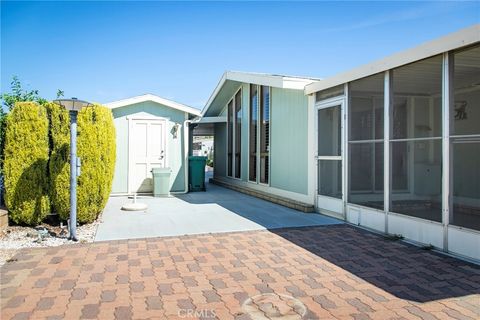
(261, 134)
(392, 146)
(150, 133)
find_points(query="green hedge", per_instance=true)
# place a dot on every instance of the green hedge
(26, 163)
(95, 147)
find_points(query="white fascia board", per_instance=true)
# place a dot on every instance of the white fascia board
(211, 120)
(277, 81)
(449, 42)
(214, 93)
(153, 98)
(271, 80)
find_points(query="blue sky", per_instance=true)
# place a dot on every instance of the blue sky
(105, 51)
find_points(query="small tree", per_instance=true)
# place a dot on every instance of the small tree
(96, 149)
(26, 163)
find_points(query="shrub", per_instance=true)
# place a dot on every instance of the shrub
(26, 163)
(95, 147)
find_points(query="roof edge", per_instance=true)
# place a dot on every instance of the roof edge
(154, 98)
(272, 80)
(451, 41)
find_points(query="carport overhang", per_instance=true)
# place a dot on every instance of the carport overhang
(205, 126)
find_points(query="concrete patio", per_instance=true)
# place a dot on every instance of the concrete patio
(216, 210)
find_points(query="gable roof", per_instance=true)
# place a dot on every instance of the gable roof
(271, 80)
(153, 98)
(462, 38)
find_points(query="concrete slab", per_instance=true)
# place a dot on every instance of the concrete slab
(214, 211)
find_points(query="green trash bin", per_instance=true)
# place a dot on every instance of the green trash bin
(196, 173)
(161, 181)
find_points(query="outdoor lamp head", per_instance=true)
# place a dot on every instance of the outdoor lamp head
(72, 104)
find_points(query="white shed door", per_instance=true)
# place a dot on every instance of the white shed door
(147, 151)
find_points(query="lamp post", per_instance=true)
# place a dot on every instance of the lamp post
(73, 106)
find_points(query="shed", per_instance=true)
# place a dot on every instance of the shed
(150, 133)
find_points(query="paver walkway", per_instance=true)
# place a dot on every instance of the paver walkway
(317, 272)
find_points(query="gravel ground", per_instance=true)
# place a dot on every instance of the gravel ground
(15, 238)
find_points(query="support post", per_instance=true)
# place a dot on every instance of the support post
(446, 153)
(386, 145)
(73, 176)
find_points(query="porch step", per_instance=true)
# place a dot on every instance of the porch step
(289, 203)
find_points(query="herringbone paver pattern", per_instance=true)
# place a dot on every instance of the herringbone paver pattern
(315, 273)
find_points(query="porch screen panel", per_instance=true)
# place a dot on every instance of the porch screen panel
(365, 167)
(465, 140)
(238, 133)
(229, 137)
(264, 133)
(252, 144)
(329, 152)
(416, 145)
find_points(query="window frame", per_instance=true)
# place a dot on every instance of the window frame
(258, 131)
(233, 140)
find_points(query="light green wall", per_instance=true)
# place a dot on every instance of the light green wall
(289, 135)
(220, 151)
(175, 150)
(289, 130)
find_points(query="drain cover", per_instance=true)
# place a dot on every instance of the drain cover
(274, 306)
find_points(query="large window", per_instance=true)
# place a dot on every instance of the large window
(253, 129)
(234, 133)
(366, 141)
(229, 137)
(465, 139)
(259, 129)
(416, 146)
(264, 133)
(238, 133)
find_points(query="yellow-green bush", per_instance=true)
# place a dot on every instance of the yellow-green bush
(95, 147)
(26, 163)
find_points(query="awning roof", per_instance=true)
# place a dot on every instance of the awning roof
(449, 42)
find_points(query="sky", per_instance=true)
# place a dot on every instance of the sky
(109, 50)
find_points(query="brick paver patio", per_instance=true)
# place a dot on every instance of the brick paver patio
(318, 273)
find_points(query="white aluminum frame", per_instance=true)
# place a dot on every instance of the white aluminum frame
(324, 104)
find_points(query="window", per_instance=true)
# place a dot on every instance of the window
(238, 133)
(259, 132)
(234, 133)
(366, 141)
(465, 139)
(229, 137)
(252, 175)
(264, 133)
(416, 146)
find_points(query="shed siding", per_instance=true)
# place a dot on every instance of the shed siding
(289, 147)
(175, 150)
